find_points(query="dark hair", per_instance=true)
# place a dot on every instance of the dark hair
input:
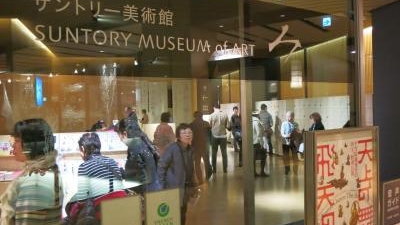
(90, 143)
(235, 107)
(316, 117)
(165, 117)
(198, 114)
(143, 110)
(98, 125)
(36, 137)
(263, 106)
(130, 126)
(182, 126)
(216, 105)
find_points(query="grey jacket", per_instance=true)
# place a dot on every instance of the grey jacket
(175, 170)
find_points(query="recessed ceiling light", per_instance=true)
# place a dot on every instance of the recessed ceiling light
(101, 51)
(221, 26)
(282, 15)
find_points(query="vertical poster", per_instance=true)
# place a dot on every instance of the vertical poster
(342, 177)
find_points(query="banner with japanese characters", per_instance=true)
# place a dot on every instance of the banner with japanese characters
(342, 177)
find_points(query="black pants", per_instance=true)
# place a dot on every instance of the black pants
(290, 154)
(259, 154)
(183, 214)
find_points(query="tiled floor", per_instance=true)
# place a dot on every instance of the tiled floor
(279, 199)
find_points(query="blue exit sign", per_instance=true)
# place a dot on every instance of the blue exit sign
(326, 21)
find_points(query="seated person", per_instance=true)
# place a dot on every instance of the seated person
(98, 174)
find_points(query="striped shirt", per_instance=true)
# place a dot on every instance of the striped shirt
(95, 178)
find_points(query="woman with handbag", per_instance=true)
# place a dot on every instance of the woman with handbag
(97, 175)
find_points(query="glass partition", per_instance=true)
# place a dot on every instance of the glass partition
(75, 63)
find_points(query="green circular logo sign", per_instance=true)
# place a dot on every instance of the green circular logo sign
(163, 209)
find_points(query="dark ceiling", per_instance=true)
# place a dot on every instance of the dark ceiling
(215, 21)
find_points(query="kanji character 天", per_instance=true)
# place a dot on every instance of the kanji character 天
(148, 15)
(365, 150)
(130, 13)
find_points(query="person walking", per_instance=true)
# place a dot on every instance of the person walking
(258, 150)
(176, 169)
(219, 123)
(201, 145)
(236, 126)
(267, 123)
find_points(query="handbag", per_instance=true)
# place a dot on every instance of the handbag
(87, 212)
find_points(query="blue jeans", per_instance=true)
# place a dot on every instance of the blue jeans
(221, 142)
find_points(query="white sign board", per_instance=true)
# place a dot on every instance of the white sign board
(122, 211)
(163, 207)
